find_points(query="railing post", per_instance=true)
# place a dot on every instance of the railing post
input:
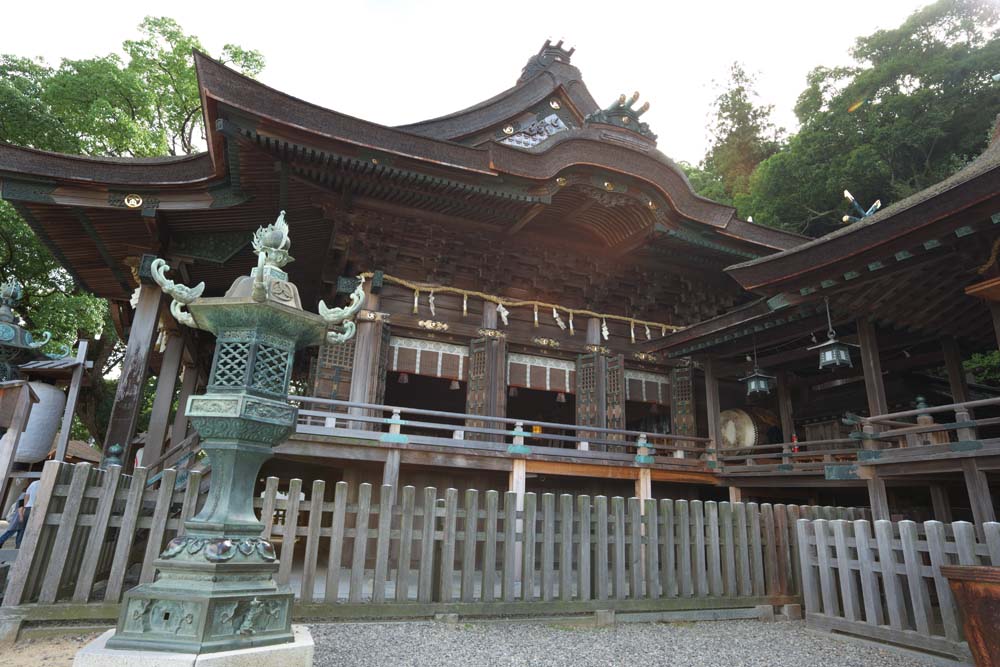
(517, 446)
(395, 434)
(644, 453)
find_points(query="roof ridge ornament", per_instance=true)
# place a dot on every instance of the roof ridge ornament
(548, 54)
(857, 207)
(622, 114)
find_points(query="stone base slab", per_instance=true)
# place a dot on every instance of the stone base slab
(298, 653)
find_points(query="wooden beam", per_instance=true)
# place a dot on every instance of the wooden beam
(872, 365)
(785, 406)
(978, 488)
(956, 374)
(22, 396)
(163, 400)
(712, 401)
(128, 395)
(529, 215)
(72, 397)
(189, 382)
(878, 498)
(941, 503)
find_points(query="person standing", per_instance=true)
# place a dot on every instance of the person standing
(13, 520)
(25, 511)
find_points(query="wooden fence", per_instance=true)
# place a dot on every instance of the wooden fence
(888, 586)
(421, 550)
(88, 526)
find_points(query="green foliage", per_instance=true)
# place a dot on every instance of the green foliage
(985, 367)
(916, 106)
(743, 136)
(144, 106)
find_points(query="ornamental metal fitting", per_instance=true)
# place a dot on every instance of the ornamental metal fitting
(267, 282)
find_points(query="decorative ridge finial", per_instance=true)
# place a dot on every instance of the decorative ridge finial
(271, 244)
(548, 54)
(622, 114)
(862, 213)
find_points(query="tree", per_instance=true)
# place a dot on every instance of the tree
(742, 136)
(917, 105)
(145, 106)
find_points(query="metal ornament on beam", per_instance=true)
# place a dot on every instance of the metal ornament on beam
(216, 590)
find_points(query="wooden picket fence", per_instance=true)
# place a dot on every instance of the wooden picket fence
(421, 550)
(89, 525)
(888, 586)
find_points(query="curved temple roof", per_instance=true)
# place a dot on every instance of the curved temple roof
(537, 151)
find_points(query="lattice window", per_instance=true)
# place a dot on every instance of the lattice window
(270, 369)
(339, 355)
(231, 365)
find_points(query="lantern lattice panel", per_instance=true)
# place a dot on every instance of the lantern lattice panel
(231, 364)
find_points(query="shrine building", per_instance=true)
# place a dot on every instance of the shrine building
(548, 304)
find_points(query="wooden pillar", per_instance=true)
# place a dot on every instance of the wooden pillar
(487, 386)
(390, 473)
(785, 407)
(371, 357)
(18, 398)
(72, 397)
(166, 381)
(128, 396)
(878, 499)
(712, 402)
(956, 374)
(517, 482)
(941, 503)
(189, 383)
(735, 494)
(872, 366)
(980, 499)
(644, 486)
(995, 314)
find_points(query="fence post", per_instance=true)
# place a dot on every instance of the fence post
(28, 555)
(810, 591)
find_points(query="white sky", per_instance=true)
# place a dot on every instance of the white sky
(402, 61)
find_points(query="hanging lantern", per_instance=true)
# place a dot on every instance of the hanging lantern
(758, 382)
(512, 392)
(403, 378)
(560, 397)
(454, 386)
(833, 353)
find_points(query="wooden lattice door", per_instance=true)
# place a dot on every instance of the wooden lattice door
(614, 395)
(332, 371)
(682, 415)
(487, 384)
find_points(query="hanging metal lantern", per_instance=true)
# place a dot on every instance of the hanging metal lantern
(833, 353)
(758, 382)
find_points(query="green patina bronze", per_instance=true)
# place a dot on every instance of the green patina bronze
(216, 589)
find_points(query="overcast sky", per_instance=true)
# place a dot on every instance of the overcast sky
(400, 61)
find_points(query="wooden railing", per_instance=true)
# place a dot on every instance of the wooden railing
(787, 457)
(391, 424)
(888, 585)
(917, 427)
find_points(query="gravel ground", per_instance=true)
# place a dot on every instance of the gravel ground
(705, 644)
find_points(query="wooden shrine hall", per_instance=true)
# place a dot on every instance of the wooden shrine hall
(549, 306)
